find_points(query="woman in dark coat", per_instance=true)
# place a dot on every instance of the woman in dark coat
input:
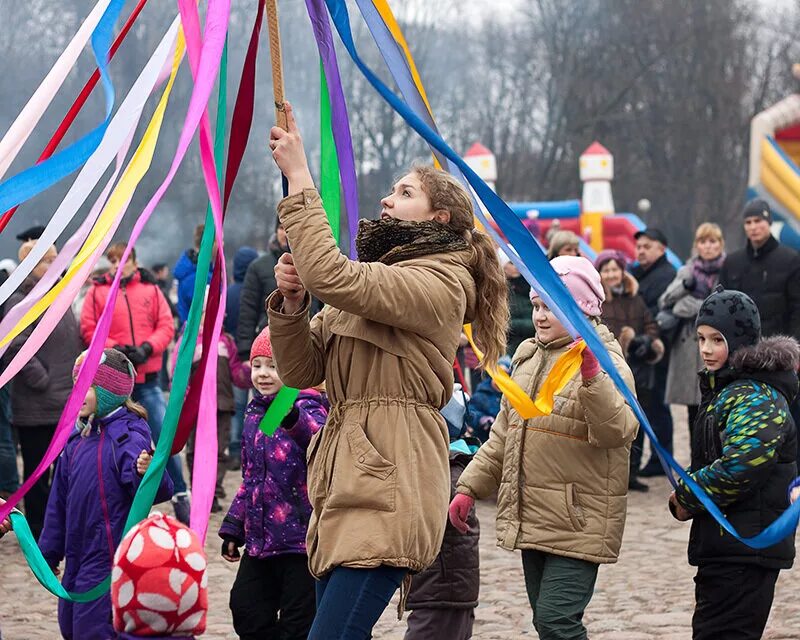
(625, 313)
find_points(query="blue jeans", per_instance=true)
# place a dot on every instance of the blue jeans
(237, 423)
(150, 396)
(350, 601)
(9, 477)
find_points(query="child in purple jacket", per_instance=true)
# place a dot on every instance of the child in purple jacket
(273, 594)
(96, 478)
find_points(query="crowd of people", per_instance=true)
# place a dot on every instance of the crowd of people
(368, 484)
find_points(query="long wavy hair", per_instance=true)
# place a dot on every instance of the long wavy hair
(492, 315)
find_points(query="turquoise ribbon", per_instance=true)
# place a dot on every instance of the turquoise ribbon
(553, 288)
(34, 180)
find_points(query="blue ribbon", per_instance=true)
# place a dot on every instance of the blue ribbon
(552, 288)
(398, 66)
(32, 181)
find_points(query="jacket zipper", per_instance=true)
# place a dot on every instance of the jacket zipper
(103, 501)
(130, 314)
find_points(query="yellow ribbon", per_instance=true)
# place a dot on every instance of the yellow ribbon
(388, 17)
(132, 176)
(562, 372)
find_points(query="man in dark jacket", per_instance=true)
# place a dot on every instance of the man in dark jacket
(241, 262)
(41, 388)
(259, 282)
(769, 273)
(655, 273)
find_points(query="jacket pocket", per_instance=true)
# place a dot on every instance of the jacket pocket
(362, 477)
(574, 509)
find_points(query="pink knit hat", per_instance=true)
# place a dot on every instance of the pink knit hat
(583, 282)
(262, 346)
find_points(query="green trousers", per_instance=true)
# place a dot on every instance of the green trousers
(559, 589)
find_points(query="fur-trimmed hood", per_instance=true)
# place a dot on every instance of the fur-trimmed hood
(773, 361)
(630, 286)
(778, 353)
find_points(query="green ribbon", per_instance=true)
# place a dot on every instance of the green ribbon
(330, 180)
(146, 493)
(330, 191)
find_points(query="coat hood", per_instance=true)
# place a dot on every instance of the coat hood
(241, 261)
(773, 361)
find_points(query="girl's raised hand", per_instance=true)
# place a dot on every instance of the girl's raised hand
(143, 462)
(289, 155)
(289, 284)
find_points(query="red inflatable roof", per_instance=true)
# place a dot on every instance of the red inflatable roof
(596, 149)
(477, 149)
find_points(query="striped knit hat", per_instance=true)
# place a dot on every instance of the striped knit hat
(113, 380)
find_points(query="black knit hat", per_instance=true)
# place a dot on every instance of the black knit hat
(734, 315)
(757, 209)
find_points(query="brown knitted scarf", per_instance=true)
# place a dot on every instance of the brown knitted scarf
(391, 240)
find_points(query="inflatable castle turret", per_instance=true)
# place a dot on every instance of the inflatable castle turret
(597, 172)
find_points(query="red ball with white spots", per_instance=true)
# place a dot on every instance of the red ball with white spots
(159, 584)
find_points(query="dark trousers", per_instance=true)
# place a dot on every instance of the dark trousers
(732, 601)
(9, 478)
(223, 438)
(657, 412)
(350, 601)
(34, 442)
(637, 446)
(435, 624)
(795, 409)
(559, 590)
(273, 598)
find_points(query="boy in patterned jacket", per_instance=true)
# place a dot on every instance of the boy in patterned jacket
(743, 455)
(273, 595)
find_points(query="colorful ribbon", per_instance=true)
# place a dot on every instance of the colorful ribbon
(36, 179)
(553, 288)
(26, 121)
(80, 101)
(339, 122)
(216, 22)
(116, 141)
(132, 176)
(240, 133)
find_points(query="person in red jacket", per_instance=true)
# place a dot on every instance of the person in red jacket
(142, 328)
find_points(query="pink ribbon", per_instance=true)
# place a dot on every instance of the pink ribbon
(210, 55)
(204, 474)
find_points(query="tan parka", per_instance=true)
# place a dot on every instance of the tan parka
(378, 474)
(562, 479)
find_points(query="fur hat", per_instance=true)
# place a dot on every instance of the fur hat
(583, 283)
(262, 345)
(159, 583)
(734, 315)
(113, 381)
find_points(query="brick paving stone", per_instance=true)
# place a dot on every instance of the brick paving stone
(647, 595)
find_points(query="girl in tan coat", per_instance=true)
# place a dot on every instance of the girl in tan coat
(561, 479)
(378, 473)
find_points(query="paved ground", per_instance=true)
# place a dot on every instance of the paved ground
(646, 596)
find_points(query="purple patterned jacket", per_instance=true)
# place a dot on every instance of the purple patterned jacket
(270, 512)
